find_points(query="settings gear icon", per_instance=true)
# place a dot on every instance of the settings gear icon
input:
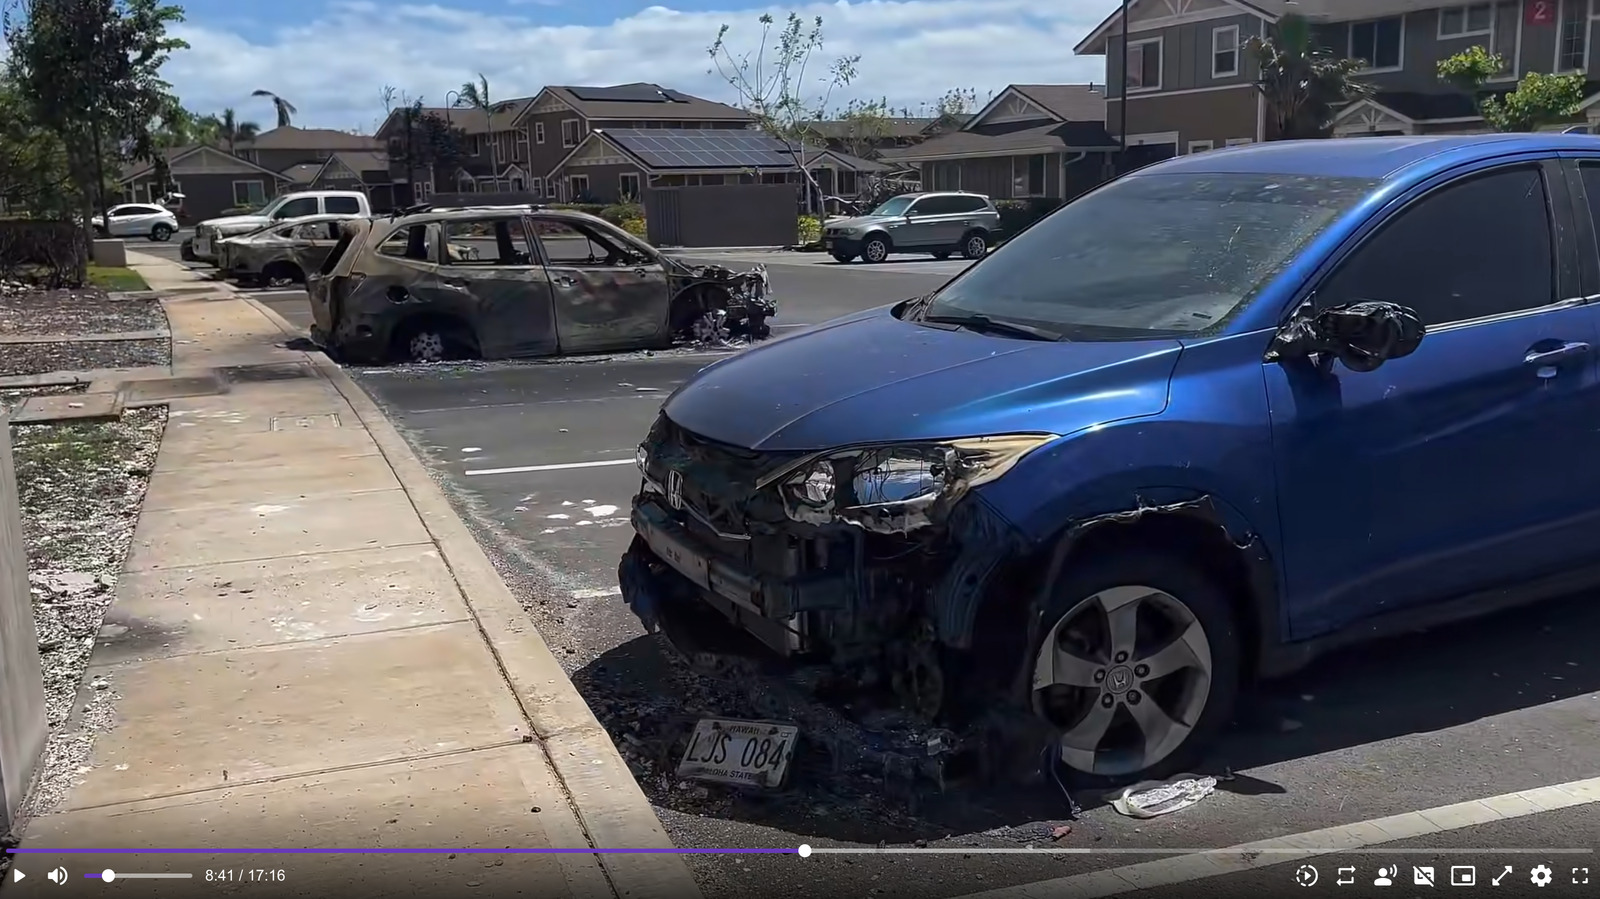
(1541, 876)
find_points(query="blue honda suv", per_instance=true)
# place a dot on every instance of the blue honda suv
(1192, 429)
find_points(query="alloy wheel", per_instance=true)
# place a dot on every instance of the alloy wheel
(875, 250)
(426, 346)
(976, 247)
(1124, 677)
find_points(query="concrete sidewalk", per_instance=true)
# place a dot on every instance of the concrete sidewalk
(309, 650)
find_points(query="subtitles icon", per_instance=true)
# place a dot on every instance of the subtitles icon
(1347, 876)
(1422, 875)
(1463, 875)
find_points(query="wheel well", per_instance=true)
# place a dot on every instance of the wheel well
(882, 235)
(979, 230)
(285, 269)
(406, 328)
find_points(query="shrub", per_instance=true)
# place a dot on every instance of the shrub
(1016, 215)
(53, 253)
(635, 226)
(810, 229)
(590, 208)
(617, 213)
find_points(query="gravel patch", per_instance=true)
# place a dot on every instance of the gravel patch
(39, 358)
(81, 486)
(87, 310)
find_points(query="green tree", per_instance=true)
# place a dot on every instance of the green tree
(282, 108)
(475, 95)
(1537, 100)
(956, 102)
(233, 132)
(1304, 85)
(428, 141)
(772, 84)
(864, 124)
(89, 73)
(33, 164)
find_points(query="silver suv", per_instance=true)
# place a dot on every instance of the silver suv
(939, 223)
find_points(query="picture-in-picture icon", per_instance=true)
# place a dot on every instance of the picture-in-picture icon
(1386, 876)
(1463, 875)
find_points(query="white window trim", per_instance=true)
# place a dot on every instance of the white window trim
(1350, 40)
(1561, 22)
(1516, 54)
(572, 184)
(538, 132)
(576, 138)
(1237, 51)
(1161, 64)
(536, 186)
(1201, 146)
(257, 181)
(1494, 13)
(1240, 141)
(622, 185)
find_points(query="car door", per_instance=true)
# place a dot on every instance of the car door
(1470, 464)
(947, 220)
(921, 227)
(607, 295)
(123, 221)
(501, 290)
(312, 243)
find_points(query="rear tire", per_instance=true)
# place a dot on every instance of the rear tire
(161, 233)
(975, 245)
(941, 255)
(1138, 668)
(282, 274)
(426, 340)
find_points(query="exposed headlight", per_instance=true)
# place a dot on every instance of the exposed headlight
(641, 458)
(900, 487)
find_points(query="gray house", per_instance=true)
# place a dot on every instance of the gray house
(1191, 82)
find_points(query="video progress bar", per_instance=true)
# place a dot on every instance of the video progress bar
(109, 874)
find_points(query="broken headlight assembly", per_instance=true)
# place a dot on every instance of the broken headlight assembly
(898, 487)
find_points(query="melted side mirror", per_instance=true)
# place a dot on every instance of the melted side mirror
(1362, 335)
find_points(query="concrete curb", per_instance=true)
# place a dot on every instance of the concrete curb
(607, 799)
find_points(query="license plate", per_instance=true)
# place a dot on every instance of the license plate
(742, 753)
(827, 244)
(691, 564)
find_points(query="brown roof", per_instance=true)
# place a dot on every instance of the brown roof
(839, 129)
(135, 170)
(303, 172)
(642, 100)
(1052, 137)
(1068, 102)
(291, 138)
(469, 119)
(359, 161)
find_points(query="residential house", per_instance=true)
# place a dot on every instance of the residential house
(558, 122)
(1031, 140)
(1191, 80)
(491, 140)
(870, 136)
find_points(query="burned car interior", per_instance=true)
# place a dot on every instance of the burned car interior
(514, 282)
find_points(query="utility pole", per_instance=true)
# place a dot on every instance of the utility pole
(1122, 94)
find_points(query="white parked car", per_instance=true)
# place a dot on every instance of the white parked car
(288, 206)
(137, 220)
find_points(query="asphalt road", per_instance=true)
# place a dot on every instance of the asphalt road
(538, 458)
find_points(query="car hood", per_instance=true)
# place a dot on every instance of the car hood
(237, 221)
(871, 378)
(863, 221)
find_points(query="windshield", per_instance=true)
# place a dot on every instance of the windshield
(896, 206)
(1151, 255)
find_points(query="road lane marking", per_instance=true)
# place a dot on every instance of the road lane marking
(1346, 838)
(601, 593)
(559, 466)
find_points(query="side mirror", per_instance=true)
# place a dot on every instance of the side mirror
(1362, 335)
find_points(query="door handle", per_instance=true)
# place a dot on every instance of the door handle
(563, 280)
(639, 271)
(456, 285)
(1547, 360)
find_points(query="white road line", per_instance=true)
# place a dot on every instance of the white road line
(560, 466)
(1347, 838)
(601, 593)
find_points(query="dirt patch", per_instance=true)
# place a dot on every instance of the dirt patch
(81, 485)
(39, 358)
(88, 310)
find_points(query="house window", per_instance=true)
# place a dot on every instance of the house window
(1200, 146)
(847, 182)
(628, 185)
(1240, 141)
(538, 132)
(249, 193)
(571, 130)
(521, 155)
(1225, 52)
(577, 186)
(1144, 65)
(1466, 21)
(1572, 36)
(537, 187)
(1378, 42)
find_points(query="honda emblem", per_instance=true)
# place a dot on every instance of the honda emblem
(675, 489)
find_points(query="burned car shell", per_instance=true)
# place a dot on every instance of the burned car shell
(367, 303)
(283, 251)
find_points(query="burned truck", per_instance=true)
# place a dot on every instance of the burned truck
(519, 281)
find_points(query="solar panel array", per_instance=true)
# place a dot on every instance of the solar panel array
(628, 93)
(675, 148)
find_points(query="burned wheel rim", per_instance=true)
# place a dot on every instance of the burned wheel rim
(976, 247)
(875, 250)
(1124, 678)
(280, 281)
(426, 346)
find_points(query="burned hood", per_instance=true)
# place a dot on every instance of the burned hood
(871, 378)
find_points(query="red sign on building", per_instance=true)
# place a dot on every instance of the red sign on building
(1539, 12)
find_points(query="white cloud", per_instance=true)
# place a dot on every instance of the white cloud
(333, 69)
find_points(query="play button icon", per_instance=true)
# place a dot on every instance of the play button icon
(16, 874)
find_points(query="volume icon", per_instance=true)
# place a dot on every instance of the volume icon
(57, 876)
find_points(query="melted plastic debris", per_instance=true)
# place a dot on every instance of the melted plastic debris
(1163, 799)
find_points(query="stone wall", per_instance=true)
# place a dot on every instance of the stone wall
(22, 714)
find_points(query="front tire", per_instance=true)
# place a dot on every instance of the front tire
(875, 249)
(842, 257)
(1139, 666)
(941, 255)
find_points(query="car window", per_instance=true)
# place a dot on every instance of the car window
(344, 205)
(308, 231)
(498, 241)
(1591, 187)
(569, 243)
(407, 243)
(964, 204)
(1151, 255)
(296, 208)
(1445, 258)
(926, 206)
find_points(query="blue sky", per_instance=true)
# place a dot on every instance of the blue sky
(332, 58)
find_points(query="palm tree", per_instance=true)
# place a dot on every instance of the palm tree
(232, 131)
(282, 107)
(1304, 85)
(476, 96)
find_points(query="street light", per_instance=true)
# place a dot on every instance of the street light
(450, 104)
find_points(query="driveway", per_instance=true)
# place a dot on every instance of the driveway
(539, 459)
